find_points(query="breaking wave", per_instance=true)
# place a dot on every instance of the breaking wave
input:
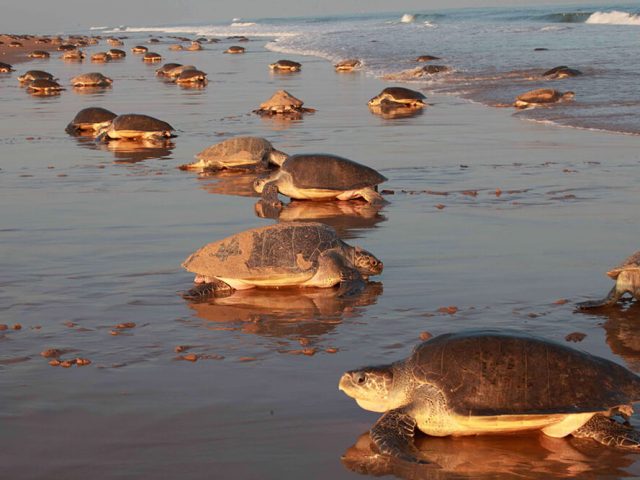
(614, 17)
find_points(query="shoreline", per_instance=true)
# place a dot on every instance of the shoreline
(18, 55)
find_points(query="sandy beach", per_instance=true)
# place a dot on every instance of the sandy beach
(509, 221)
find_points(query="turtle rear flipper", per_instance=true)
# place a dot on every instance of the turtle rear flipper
(393, 434)
(217, 288)
(608, 432)
(612, 297)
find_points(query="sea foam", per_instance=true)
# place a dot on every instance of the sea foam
(614, 17)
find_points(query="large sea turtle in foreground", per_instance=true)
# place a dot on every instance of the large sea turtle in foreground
(300, 254)
(134, 126)
(242, 153)
(90, 119)
(627, 277)
(91, 79)
(495, 382)
(541, 96)
(320, 177)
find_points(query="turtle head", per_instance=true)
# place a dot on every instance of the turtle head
(370, 387)
(277, 157)
(261, 181)
(366, 263)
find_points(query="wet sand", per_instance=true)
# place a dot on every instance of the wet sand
(501, 218)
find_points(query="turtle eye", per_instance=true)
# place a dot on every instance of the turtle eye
(360, 378)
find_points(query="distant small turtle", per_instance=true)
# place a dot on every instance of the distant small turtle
(238, 153)
(194, 47)
(6, 68)
(282, 102)
(39, 54)
(66, 47)
(114, 42)
(627, 277)
(44, 86)
(303, 254)
(117, 53)
(90, 119)
(134, 126)
(100, 57)
(32, 75)
(92, 79)
(176, 48)
(154, 40)
(561, 72)
(399, 95)
(286, 66)
(426, 58)
(139, 49)
(234, 49)
(75, 55)
(152, 57)
(493, 382)
(541, 96)
(191, 77)
(162, 71)
(320, 177)
(15, 44)
(347, 65)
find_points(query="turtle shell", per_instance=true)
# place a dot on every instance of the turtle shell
(632, 262)
(163, 70)
(92, 115)
(281, 98)
(35, 75)
(541, 95)
(401, 93)
(286, 64)
(330, 172)
(5, 67)
(44, 84)
(249, 149)
(275, 251)
(141, 123)
(498, 373)
(92, 78)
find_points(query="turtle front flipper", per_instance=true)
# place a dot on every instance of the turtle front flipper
(270, 195)
(612, 297)
(371, 196)
(393, 434)
(217, 288)
(608, 432)
(351, 282)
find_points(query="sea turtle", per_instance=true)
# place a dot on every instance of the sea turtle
(194, 47)
(561, 72)
(175, 72)
(192, 76)
(135, 126)
(151, 57)
(39, 54)
(426, 58)
(90, 119)
(238, 153)
(162, 71)
(116, 53)
(320, 177)
(347, 65)
(541, 96)
(6, 68)
(43, 86)
(139, 49)
(31, 75)
(74, 55)
(67, 47)
(176, 47)
(399, 95)
(15, 44)
(234, 49)
(100, 57)
(492, 382)
(285, 66)
(282, 102)
(92, 79)
(114, 42)
(627, 277)
(302, 254)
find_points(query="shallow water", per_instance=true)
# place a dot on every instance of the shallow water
(93, 236)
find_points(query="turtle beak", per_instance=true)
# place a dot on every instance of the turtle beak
(345, 382)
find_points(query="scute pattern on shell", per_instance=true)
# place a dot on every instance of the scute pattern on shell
(93, 115)
(256, 146)
(502, 373)
(330, 172)
(143, 123)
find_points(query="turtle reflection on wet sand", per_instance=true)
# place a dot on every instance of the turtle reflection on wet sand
(495, 382)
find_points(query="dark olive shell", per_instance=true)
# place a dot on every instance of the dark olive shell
(93, 115)
(142, 123)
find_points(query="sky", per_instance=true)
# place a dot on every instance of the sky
(59, 16)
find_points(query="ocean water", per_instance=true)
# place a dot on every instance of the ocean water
(491, 53)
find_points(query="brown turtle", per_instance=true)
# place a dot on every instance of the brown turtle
(136, 127)
(100, 57)
(285, 66)
(627, 277)
(192, 76)
(73, 55)
(399, 95)
(320, 177)
(92, 79)
(243, 153)
(151, 57)
(541, 96)
(6, 68)
(39, 54)
(116, 53)
(234, 49)
(31, 75)
(282, 102)
(296, 254)
(194, 47)
(90, 119)
(495, 382)
(561, 72)
(177, 71)
(43, 86)
(167, 67)
(139, 49)
(347, 65)
(426, 58)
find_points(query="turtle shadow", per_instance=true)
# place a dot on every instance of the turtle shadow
(493, 456)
